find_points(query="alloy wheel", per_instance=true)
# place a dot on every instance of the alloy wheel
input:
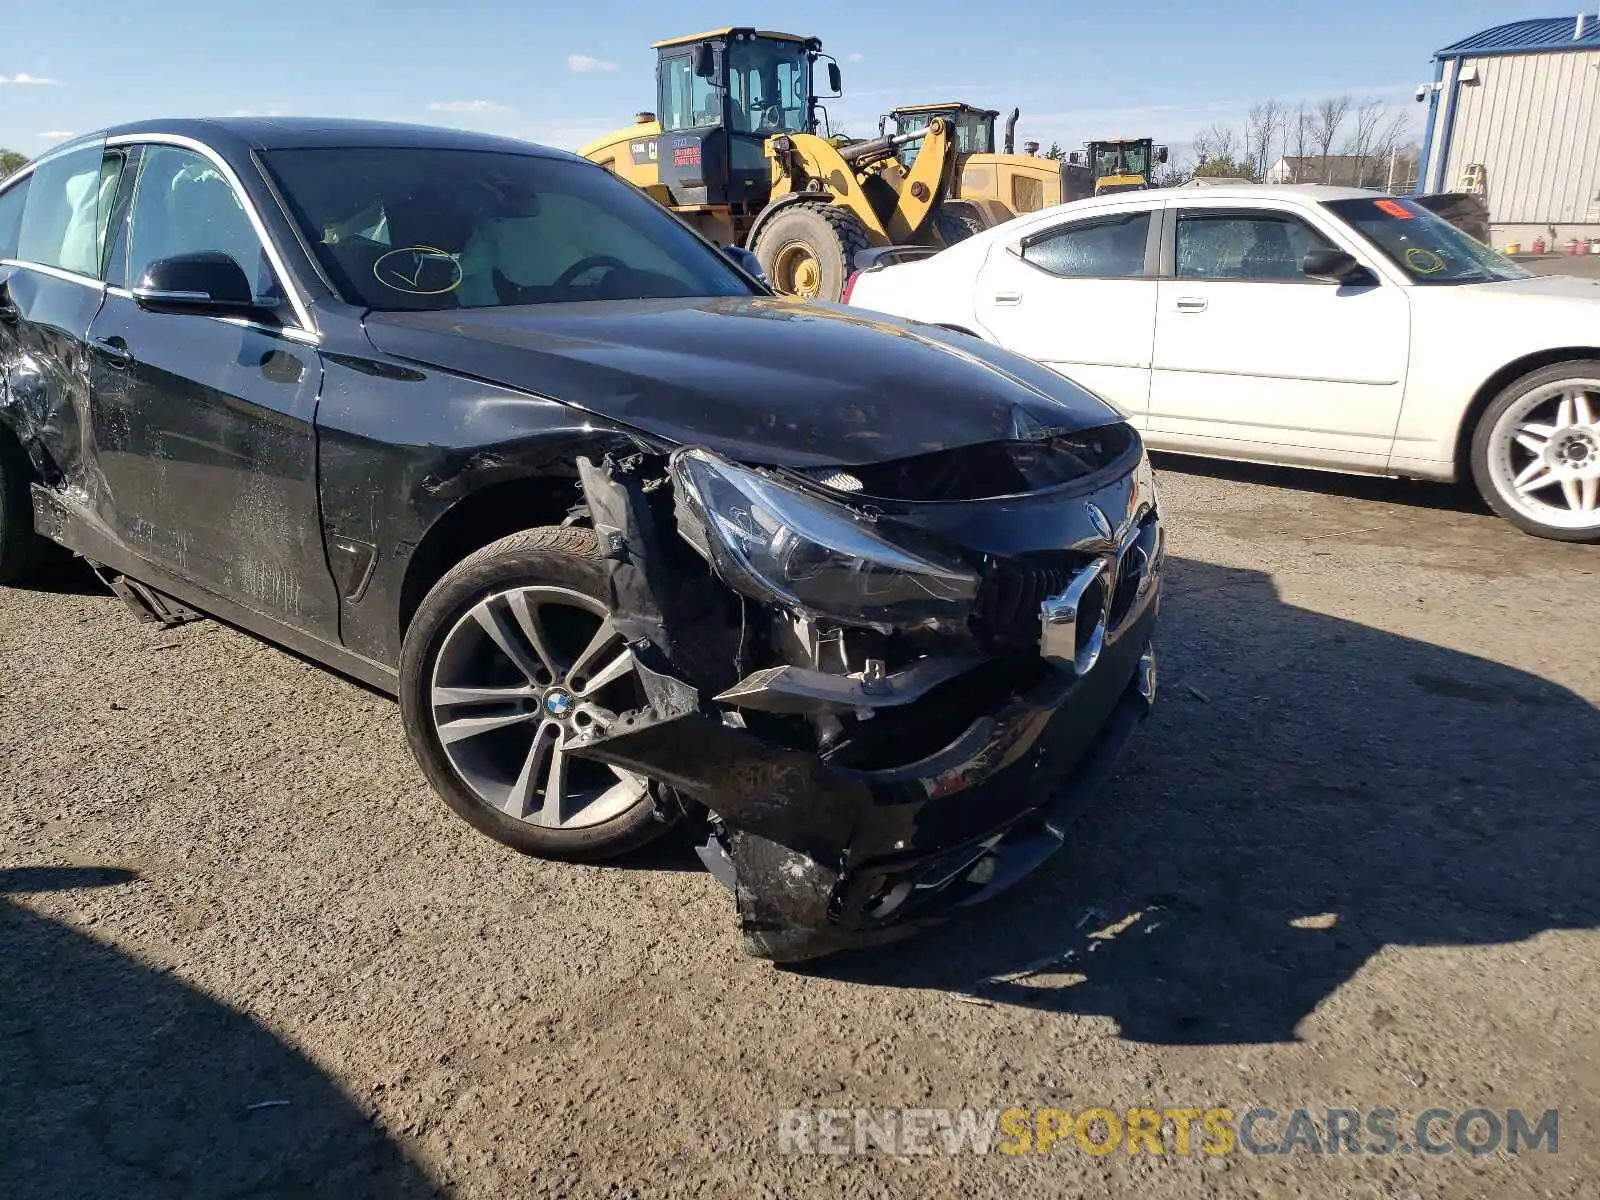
(1544, 454)
(519, 675)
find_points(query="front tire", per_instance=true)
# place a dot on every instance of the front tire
(511, 654)
(1536, 452)
(809, 249)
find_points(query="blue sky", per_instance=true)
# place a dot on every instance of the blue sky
(565, 73)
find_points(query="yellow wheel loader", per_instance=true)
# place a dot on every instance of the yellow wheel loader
(733, 149)
(988, 187)
(1121, 164)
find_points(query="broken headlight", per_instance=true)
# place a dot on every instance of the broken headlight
(773, 542)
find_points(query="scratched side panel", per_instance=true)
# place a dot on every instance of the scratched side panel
(401, 444)
(208, 446)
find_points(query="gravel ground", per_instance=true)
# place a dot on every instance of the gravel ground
(245, 952)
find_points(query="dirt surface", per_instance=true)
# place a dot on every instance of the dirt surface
(245, 952)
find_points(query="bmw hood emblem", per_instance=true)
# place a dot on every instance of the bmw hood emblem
(1100, 521)
(558, 703)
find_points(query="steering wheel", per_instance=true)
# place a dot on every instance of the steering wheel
(771, 116)
(584, 265)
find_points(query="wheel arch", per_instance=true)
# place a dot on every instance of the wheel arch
(482, 516)
(1497, 383)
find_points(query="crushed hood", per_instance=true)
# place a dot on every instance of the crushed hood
(759, 379)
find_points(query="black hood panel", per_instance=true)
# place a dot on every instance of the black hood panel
(759, 379)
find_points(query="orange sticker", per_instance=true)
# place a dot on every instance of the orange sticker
(1395, 209)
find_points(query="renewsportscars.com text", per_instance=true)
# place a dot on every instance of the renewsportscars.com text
(1170, 1130)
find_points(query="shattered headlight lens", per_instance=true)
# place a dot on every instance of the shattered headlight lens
(775, 543)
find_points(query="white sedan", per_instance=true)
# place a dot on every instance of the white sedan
(1309, 326)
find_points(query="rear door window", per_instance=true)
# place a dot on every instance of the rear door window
(62, 223)
(11, 202)
(1108, 248)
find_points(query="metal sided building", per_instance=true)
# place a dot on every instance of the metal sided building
(1514, 114)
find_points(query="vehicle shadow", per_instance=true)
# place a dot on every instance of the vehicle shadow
(1308, 792)
(1413, 493)
(67, 575)
(119, 1081)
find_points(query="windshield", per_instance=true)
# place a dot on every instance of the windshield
(769, 83)
(418, 228)
(1426, 247)
(1121, 160)
(974, 132)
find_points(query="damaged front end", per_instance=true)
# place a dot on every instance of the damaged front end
(888, 684)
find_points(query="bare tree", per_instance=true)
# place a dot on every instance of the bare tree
(1326, 120)
(1363, 141)
(1213, 143)
(1297, 131)
(1218, 154)
(1393, 152)
(1263, 126)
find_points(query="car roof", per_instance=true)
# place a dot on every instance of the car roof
(1313, 193)
(302, 133)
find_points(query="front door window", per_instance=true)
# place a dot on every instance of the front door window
(185, 205)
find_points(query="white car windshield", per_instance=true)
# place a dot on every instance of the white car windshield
(1426, 247)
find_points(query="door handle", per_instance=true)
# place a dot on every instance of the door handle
(1008, 297)
(113, 350)
(1191, 304)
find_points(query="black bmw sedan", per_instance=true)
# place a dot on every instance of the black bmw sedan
(632, 539)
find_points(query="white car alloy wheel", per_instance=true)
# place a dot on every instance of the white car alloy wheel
(518, 675)
(1544, 455)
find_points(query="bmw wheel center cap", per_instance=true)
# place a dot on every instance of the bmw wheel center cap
(558, 703)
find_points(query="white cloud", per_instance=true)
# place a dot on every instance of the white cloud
(487, 107)
(583, 64)
(854, 57)
(569, 135)
(56, 135)
(22, 78)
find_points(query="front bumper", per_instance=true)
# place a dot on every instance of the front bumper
(833, 848)
(824, 859)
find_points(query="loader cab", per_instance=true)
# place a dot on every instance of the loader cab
(974, 127)
(720, 96)
(1121, 164)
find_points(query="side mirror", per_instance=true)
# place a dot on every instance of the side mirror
(1335, 266)
(745, 260)
(835, 79)
(1161, 154)
(705, 60)
(1075, 159)
(208, 282)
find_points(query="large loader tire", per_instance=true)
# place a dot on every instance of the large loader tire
(809, 249)
(957, 224)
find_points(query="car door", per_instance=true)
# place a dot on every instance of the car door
(50, 291)
(205, 423)
(1253, 358)
(1079, 295)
